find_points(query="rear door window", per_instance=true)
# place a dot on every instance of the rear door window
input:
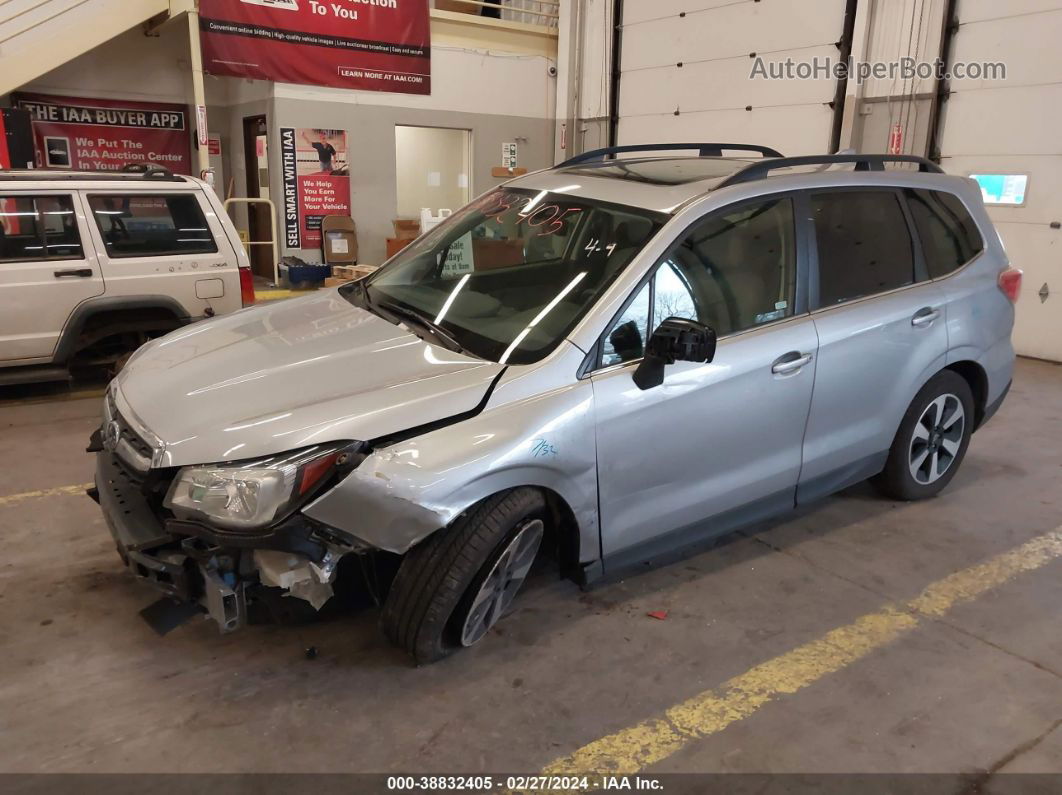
(38, 227)
(948, 234)
(864, 244)
(137, 225)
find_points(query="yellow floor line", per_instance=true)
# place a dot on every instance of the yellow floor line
(58, 491)
(278, 294)
(633, 749)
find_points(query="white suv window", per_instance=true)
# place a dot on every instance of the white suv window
(138, 225)
(38, 227)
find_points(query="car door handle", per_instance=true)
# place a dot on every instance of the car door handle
(925, 316)
(83, 273)
(790, 362)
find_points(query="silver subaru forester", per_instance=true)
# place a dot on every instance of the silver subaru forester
(601, 363)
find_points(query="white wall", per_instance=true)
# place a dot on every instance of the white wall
(463, 80)
(130, 66)
(1012, 126)
(499, 97)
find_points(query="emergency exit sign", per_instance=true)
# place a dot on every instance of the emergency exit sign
(509, 155)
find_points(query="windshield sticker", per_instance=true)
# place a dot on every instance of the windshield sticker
(766, 317)
(460, 257)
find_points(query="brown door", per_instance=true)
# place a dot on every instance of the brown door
(256, 155)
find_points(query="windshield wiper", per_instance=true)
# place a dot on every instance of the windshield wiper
(417, 321)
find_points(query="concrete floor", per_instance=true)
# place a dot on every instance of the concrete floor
(86, 686)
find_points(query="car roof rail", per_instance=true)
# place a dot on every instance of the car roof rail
(755, 171)
(144, 171)
(703, 150)
(149, 170)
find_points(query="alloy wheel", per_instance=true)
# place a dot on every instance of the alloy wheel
(936, 439)
(501, 584)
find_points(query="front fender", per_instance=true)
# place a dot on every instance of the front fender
(401, 494)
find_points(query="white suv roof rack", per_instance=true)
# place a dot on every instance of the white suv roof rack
(133, 171)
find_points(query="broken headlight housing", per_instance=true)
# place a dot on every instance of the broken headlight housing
(250, 495)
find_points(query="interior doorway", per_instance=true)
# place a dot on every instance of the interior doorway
(256, 157)
(433, 165)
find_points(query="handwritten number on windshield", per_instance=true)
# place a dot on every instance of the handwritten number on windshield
(549, 217)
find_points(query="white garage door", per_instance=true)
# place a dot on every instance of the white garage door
(1012, 127)
(710, 91)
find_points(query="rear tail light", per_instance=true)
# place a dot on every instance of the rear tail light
(246, 286)
(1010, 283)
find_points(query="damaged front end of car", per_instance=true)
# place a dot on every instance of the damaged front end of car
(212, 539)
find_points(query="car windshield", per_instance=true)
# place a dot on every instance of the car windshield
(507, 277)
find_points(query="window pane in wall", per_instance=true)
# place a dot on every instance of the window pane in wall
(433, 167)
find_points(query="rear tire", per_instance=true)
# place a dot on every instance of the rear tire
(932, 439)
(447, 580)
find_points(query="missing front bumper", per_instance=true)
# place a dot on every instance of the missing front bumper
(199, 570)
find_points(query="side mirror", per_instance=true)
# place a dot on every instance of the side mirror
(675, 340)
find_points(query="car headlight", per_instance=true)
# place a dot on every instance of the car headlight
(249, 495)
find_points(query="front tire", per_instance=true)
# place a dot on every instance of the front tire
(931, 441)
(454, 586)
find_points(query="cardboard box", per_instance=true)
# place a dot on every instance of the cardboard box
(351, 272)
(335, 281)
(394, 245)
(406, 228)
(491, 254)
(339, 240)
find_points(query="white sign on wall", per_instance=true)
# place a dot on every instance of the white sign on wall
(509, 155)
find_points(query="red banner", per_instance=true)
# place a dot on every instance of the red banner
(107, 135)
(375, 45)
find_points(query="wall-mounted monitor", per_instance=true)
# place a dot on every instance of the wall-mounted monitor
(1003, 189)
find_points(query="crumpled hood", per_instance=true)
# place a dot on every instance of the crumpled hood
(283, 376)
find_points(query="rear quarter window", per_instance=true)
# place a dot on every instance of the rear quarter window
(864, 244)
(949, 236)
(143, 225)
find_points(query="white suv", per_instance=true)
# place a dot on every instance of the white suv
(94, 263)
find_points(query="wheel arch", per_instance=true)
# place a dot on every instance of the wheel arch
(92, 310)
(562, 531)
(974, 375)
